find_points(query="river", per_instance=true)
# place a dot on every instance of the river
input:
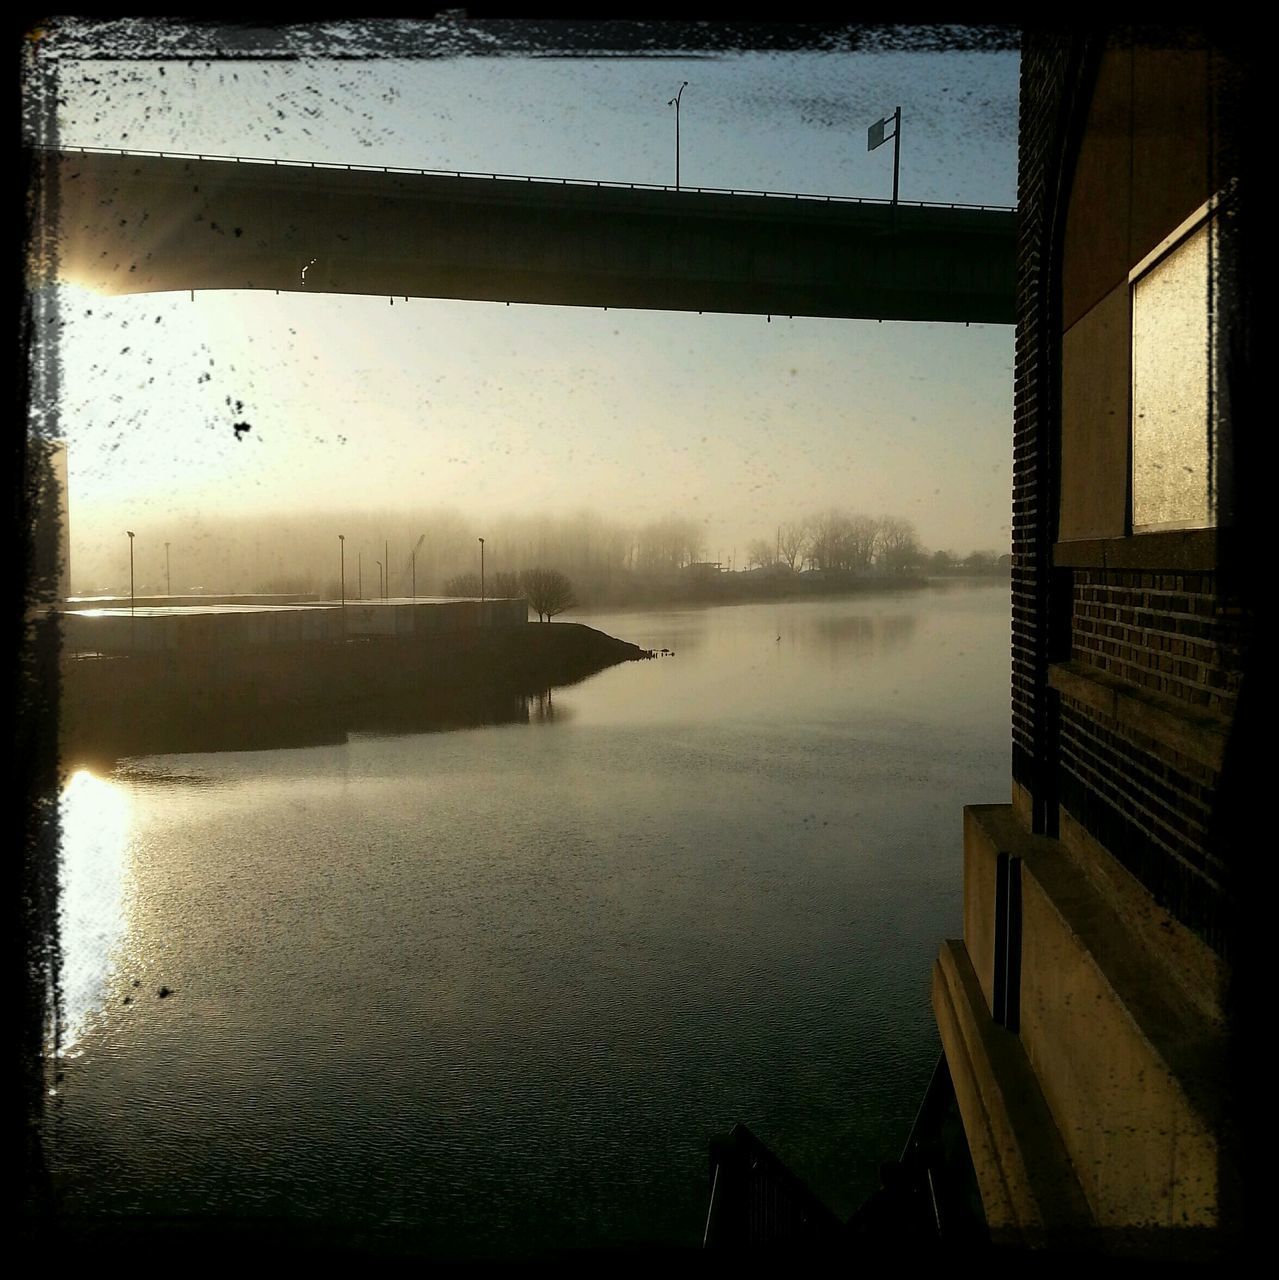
(493, 990)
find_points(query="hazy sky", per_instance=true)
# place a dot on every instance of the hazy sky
(491, 409)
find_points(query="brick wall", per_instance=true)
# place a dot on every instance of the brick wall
(1153, 810)
(1163, 631)
(1045, 70)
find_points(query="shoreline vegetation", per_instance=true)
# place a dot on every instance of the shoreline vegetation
(762, 585)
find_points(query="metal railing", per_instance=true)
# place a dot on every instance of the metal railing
(527, 177)
(756, 1201)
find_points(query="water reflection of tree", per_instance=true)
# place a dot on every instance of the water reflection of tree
(860, 635)
(543, 709)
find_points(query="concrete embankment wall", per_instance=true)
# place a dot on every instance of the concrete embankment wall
(208, 629)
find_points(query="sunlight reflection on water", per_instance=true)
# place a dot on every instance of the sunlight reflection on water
(95, 819)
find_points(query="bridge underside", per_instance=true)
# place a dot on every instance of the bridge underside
(137, 224)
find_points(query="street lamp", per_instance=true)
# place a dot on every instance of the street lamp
(168, 581)
(342, 561)
(380, 592)
(875, 138)
(133, 632)
(413, 562)
(386, 576)
(481, 570)
(359, 588)
(674, 102)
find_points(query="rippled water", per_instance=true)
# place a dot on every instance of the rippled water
(498, 987)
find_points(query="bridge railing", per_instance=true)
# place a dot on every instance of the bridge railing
(527, 177)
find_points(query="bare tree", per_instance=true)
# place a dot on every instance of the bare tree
(828, 541)
(864, 533)
(898, 548)
(466, 585)
(759, 554)
(980, 561)
(549, 592)
(497, 586)
(794, 542)
(665, 545)
(504, 586)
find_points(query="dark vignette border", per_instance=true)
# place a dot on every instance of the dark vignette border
(442, 33)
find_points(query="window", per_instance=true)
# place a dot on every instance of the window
(1175, 462)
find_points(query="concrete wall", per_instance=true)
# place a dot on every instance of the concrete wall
(189, 601)
(436, 617)
(1105, 1050)
(980, 924)
(209, 629)
(198, 632)
(1147, 158)
(1096, 371)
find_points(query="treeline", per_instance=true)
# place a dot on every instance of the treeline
(974, 563)
(399, 554)
(860, 544)
(548, 591)
(841, 542)
(391, 553)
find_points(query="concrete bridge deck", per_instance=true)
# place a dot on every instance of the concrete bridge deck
(133, 223)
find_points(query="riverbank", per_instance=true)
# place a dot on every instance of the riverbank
(757, 589)
(251, 699)
(634, 591)
(637, 591)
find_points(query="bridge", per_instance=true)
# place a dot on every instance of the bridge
(135, 222)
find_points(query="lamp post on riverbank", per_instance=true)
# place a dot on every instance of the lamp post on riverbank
(342, 561)
(413, 562)
(674, 102)
(380, 592)
(168, 581)
(481, 570)
(132, 620)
